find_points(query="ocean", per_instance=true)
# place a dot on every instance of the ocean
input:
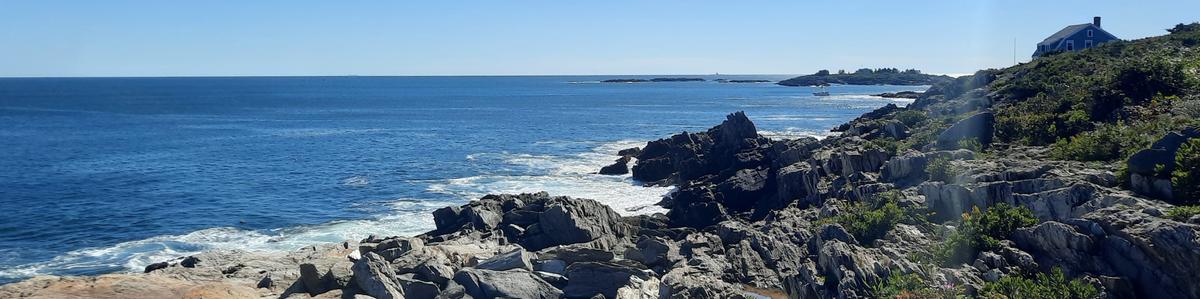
(101, 175)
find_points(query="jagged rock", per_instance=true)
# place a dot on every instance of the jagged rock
(578, 221)
(911, 164)
(621, 166)
(978, 127)
(588, 279)
(551, 266)
(1058, 244)
(630, 152)
(1158, 255)
(514, 283)
(375, 277)
(516, 259)
(744, 188)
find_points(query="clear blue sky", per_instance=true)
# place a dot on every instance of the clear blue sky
(199, 38)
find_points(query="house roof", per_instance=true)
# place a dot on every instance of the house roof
(1064, 33)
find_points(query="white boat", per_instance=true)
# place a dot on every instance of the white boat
(822, 92)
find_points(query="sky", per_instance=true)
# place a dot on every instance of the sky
(59, 38)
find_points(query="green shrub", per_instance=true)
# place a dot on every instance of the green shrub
(941, 170)
(887, 145)
(1103, 144)
(1185, 179)
(868, 222)
(911, 117)
(1183, 213)
(982, 231)
(1043, 286)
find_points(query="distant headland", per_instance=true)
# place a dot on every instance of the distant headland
(865, 76)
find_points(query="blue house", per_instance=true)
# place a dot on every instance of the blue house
(1074, 38)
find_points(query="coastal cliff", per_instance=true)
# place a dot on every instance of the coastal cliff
(1017, 182)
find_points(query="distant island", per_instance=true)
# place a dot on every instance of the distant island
(901, 95)
(743, 81)
(653, 80)
(865, 76)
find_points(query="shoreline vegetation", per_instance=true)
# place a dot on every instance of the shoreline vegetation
(1008, 183)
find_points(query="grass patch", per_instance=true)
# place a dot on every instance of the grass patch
(1183, 213)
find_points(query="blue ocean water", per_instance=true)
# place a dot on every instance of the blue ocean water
(109, 174)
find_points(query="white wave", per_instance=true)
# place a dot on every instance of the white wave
(356, 181)
(410, 217)
(567, 175)
(795, 133)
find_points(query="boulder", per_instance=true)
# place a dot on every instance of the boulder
(448, 218)
(978, 127)
(514, 283)
(588, 279)
(515, 259)
(189, 262)
(415, 288)
(569, 221)
(1145, 165)
(156, 266)
(571, 254)
(376, 278)
(653, 251)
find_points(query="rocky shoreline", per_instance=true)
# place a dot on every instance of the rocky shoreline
(923, 201)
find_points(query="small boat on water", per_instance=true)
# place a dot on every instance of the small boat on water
(821, 92)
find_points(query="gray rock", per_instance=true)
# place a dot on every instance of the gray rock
(189, 262)
(551, 266)
(375, 277)
(687, 282)
(653, 251)
(310, 277)
(515, 259)
(513, 283)
(1058, 244)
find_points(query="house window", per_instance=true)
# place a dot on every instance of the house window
(1089, 33)
(1070, 45)
(1087, 44)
